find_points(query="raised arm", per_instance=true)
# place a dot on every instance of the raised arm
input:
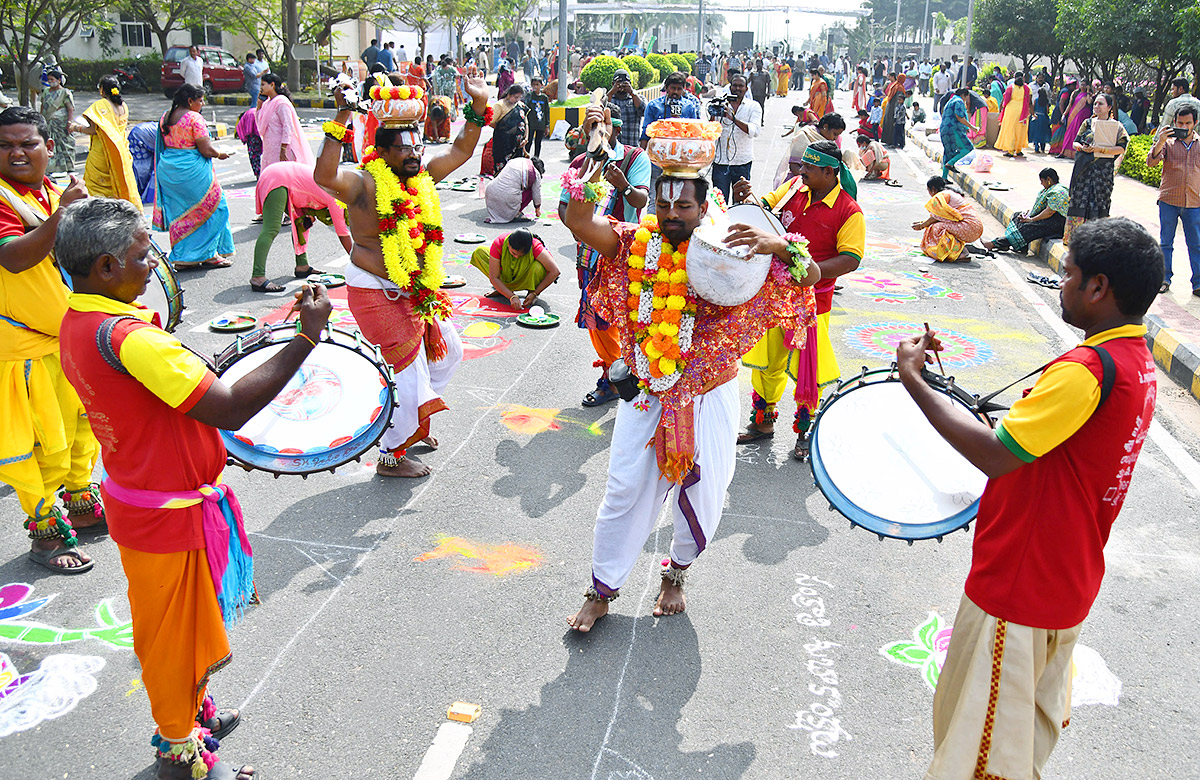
(449, 161)
(346, 186)
(24, 252)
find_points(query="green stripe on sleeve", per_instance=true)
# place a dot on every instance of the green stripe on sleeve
(1008, 441)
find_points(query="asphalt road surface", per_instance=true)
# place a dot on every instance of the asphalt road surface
(808, 647)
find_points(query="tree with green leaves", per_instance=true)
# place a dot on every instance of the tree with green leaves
(35, 28)
(165, 16)
(1021, 28)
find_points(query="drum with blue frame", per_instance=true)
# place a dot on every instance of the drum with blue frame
(335, 408)
(883, 466)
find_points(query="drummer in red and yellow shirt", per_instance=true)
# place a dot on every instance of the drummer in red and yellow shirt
(156, 408)
(815, 205)
(45, 441)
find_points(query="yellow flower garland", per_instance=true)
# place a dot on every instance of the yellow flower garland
(661, 306)
(406, 255)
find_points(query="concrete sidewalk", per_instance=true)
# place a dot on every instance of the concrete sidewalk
(1173, 322)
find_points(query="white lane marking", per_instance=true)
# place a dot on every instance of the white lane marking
(439, 760)
(416, 496)
(453, 206)
(306, 542)
(628, 657)
(1170, 446)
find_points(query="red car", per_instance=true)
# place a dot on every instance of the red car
(222, 71)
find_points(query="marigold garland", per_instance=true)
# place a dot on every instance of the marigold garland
(662, 307)
(410, 232)
(397, 93)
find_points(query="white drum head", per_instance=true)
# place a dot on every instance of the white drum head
(882, 465)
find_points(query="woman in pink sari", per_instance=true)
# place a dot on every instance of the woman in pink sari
(952, 224)
(1080, 108)
(859, 103)
(282, 138)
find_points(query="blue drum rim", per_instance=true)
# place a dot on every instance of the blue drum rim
(164, 259)
(253, 458)
(909, 532)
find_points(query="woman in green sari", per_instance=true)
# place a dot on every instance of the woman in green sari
(58, 106)
(517, 261)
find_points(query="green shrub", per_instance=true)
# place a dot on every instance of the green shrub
(661, 64)
(680, 63)
(690, 56)
(599, 72)
(1134, 165)
(643, 71)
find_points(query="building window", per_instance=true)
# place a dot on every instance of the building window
(206, 36)
(134, 34)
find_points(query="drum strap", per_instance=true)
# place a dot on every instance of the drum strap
(1108, 377)
(104, 342)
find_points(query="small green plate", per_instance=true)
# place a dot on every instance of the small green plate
(450, 282)
(545, 321)
(470, 238)
(464, 187)
(233, 322)
(328, 280)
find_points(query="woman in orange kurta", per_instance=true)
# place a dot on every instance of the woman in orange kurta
(818, 94)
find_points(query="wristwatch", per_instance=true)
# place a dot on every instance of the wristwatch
(627, 191)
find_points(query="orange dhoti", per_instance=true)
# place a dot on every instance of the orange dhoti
(178, 633)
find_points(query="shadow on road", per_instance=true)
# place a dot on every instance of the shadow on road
(541, 489)
(568, 734)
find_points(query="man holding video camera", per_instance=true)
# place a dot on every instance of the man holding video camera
(1179, 193)
(740, 120)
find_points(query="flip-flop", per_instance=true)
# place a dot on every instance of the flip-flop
(1165, 288)
(749, 435)
(42, 558)
(266, 287)
(310, 272)
(222, 262)
(223, 723)
(594, 399)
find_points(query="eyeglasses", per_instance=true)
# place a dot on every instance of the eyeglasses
(405, 149)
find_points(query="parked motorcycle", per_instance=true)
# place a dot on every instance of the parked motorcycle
(130, 77)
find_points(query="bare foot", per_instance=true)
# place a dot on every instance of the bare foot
(405, 468)
(67, 557)
(754, 432)
(430, 442)
(670, 599)
(591, 611)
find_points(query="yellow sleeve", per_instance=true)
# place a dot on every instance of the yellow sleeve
(1061, 401)
(852, 236)
(166, 368)
(774, 197)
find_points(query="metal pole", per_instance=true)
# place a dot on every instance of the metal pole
(970, 24)
(896, 35)
(700, 32)
(563, 58)
(926, 26)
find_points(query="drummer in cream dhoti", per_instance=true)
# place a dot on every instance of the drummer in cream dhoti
(682, 352)
(817, 205)
(1059, 466)
(396, 271)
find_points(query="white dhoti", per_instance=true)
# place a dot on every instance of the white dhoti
(636, 490)
(419, 389)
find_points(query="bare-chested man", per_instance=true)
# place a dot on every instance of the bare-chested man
(391, 295)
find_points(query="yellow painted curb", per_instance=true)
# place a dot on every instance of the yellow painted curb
(1164, 349)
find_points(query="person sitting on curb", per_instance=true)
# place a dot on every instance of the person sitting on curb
(1045, 220)
(517, 261)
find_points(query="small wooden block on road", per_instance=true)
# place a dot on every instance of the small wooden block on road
(464, 712)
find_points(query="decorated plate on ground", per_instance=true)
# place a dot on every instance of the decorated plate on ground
(454, 280)
(544, 320)
(470, 238)
(328, 280)
(464, 186)
(233, 322)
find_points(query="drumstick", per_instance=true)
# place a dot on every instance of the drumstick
(936, 356)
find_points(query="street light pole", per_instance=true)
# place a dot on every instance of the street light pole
(700, 32)
(563, 58)
(970, 24)
(896, 35)
(928, 52)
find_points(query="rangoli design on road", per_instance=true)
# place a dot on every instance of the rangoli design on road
(898, 287)
(50, 691)
(14, 608)
(531, 421)
(481, 558)
(879, 340)
(1091, 680)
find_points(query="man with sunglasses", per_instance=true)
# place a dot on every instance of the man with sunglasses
(393, 284)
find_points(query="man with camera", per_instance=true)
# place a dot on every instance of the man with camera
(674, 104)
(627, 105)
(740, 120)
(1179, 193)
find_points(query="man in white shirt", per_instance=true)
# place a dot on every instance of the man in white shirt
(735, 148)
(941, 83)
(402, 55)
(191, 68)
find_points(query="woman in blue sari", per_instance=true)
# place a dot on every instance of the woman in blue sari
(141, 147)
(190, 203)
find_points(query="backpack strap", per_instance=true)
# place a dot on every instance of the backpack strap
(1108, 375)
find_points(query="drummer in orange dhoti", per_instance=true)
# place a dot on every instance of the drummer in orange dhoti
(396, 269)
(818, 206)
(678, 371)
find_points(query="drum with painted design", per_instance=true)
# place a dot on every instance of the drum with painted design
(164, 293)
(335, 408)
(882, 465)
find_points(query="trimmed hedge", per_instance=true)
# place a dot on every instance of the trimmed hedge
(1134, 165)
(599, 72)
(661, 64)
(680, 62)
(642, 70)
(85, 74)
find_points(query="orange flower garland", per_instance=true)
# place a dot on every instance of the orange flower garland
(662, 306)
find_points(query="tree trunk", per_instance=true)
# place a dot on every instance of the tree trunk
(291, 36)
(162, 41)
